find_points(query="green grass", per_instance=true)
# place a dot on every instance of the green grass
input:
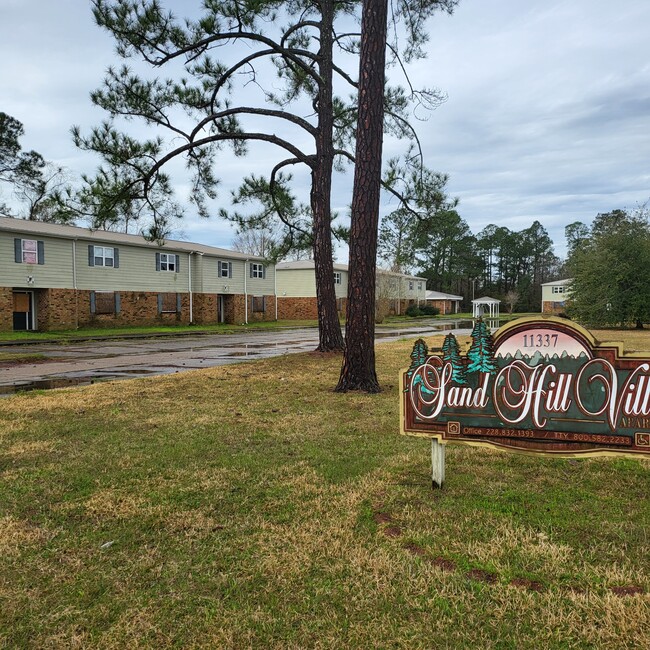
(250, 506)
(102, 332)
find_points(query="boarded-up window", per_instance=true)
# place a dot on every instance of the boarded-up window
(104, 302)
(259, 304)
(167, 303)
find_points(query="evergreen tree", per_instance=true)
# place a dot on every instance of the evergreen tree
(480, 355)
(451, 353)
(419, 355)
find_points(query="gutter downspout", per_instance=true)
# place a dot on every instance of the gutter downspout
(399, 296)
(74, 284)
(246, 270)
(275, 291)
(189, 284)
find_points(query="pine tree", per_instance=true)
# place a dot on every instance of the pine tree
(419, 355)
(451, 353)
(480, 355)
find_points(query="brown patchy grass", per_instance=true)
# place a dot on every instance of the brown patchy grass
(250, 506)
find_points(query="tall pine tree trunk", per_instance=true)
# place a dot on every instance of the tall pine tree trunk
(358, 371)
(329, 329)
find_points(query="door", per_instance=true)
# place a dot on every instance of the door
(221, 309)
(23, 310)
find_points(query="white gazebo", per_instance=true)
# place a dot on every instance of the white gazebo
(488, 307)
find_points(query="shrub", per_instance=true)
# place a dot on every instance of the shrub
(413, 311)
(429, 310)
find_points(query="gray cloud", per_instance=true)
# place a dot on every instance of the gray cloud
(547, 118)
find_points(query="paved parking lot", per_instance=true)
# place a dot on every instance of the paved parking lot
(77, 363)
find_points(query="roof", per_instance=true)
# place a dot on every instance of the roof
(558, 283)
(438, 295)
(310, 264)
(105, 236)
(305, 264)
(486, 300)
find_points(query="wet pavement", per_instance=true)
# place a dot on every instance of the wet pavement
(72, 364)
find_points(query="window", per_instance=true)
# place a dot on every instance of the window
(224, 269)
(411, 283)
(337, 277)
(258, 304)
(104, 302)
(419, 286)
(257, 270)
(167, 262)
(169, 303)
(29, 251)
(103, 256)
(557, 289)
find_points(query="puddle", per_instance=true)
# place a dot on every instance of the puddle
(47, 384)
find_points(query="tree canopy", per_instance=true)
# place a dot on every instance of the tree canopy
(610, 283)
(243, 72)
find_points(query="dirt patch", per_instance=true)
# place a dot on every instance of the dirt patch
(482, 576)
(414, 549)
(524, 583)
(627, 590)
(392, 531)
(444, 564)
(382, 518)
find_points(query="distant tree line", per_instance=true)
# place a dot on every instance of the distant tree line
(438, 244)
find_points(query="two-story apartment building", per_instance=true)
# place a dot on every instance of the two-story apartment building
(554, 296)
(63, 277)
(296, 289)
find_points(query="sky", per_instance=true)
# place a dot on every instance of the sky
(547, 114)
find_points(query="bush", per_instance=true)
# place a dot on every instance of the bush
(423, 310)
(413, 311)
(429, 310)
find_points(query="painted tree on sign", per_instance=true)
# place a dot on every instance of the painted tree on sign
(480, 355)
(451, 353)
(419, 355)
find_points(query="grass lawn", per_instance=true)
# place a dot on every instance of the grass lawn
(249, 506)
(97, 332)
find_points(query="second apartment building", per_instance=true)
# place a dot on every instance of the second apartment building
(296, 290)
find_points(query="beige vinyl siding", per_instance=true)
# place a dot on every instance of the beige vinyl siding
(198, 266)
(301, 283)
(241, 282)
(56, 273)
(549, 296)
(137, 271)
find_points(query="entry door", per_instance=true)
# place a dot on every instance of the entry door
(221, 309)
(23, 310)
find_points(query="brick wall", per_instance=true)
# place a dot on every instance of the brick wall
(6, 309)
(297, 309)
(205, 308)
(304, 308)
(550, 307)
(62, 309)
(57, 309)
(445, 306)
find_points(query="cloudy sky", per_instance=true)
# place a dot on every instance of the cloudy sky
(547, 117)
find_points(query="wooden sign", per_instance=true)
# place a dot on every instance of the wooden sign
(538, 386)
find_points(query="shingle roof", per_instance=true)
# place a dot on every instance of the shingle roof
(309, 264)
(438, 295)
(73, 232)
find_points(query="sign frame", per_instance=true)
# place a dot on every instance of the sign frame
(575, 337)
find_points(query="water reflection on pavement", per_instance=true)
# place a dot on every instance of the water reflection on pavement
(92, 361)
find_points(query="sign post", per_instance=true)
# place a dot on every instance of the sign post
(541, 386)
